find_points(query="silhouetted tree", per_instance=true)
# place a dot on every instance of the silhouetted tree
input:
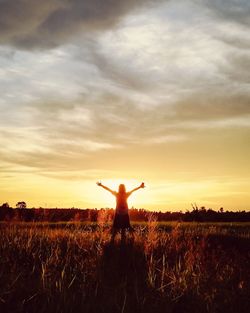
(5, 205)
(21, 205)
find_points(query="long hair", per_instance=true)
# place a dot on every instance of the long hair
(122, 188)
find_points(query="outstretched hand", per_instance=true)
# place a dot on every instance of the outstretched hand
(142, 185)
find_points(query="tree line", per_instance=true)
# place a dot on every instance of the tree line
(202, 214)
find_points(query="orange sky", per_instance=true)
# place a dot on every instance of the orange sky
(136, 92)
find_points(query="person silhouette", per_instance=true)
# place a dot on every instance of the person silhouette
(121, 219)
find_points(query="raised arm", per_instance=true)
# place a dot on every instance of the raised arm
(107, 188)
(141, 186)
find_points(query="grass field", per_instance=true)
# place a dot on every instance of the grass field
(162, 267)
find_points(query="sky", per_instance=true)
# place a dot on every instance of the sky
(124, 92)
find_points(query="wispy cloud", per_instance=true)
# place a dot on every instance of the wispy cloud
(50, 23)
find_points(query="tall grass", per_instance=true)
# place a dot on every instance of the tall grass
(75, 268)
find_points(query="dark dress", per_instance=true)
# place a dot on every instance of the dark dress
(121, 219)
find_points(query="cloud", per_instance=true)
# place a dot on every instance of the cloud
(89, 174)
(153, 80)
(237, 68)
(154, 56)
(67, 135)
(233, 35)
(236, 11)
(213, 104)
(49, 23)
(40, 149)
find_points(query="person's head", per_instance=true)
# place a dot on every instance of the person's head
(122, 188)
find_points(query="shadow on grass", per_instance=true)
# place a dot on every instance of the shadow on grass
(122, 276)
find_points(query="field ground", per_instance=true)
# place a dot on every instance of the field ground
(161, 267)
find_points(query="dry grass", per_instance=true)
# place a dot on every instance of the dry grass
(73, 268)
